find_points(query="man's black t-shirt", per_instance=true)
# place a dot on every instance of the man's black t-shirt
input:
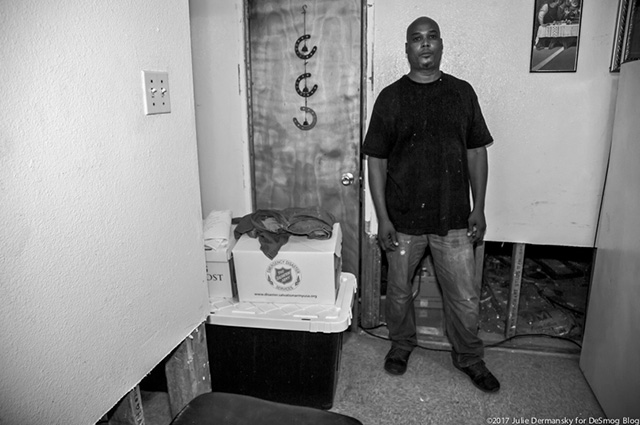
(424, 131)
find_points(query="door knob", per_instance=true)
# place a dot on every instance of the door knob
(347, 179)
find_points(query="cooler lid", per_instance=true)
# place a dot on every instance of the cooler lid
(283, 316)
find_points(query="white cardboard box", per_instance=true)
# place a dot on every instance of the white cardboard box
(220, 273)
(305, 271)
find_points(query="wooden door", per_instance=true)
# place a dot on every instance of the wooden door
(611, 346)
(305, 78)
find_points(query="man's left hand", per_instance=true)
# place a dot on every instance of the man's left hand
(477, 226)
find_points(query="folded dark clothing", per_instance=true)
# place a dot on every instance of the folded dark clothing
(313, 222)
(272, 228)
(268, 226)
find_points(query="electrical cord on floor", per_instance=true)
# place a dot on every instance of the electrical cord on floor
(536, 335)
(366, 330)
(496, 344)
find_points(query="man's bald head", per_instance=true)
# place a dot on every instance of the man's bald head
(421, 20)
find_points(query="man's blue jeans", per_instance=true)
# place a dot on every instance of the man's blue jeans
(454, 261)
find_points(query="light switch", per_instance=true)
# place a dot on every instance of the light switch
(156, 92)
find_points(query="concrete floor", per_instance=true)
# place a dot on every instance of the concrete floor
(540, 386)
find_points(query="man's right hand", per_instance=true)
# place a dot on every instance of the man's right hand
(387, 235)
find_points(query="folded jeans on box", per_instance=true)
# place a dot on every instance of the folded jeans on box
(273, 227)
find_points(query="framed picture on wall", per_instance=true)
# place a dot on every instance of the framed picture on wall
(556, 35)
(626, 42)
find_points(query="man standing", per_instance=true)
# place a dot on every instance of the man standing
(426, 144)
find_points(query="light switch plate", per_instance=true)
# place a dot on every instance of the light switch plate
(156, 92)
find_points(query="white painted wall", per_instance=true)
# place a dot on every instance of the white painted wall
(610, 346)
(219, 73)
(101, 262)
(552, 131)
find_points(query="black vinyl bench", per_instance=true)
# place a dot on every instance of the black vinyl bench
(218, 408)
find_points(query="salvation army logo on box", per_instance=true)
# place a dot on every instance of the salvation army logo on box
(283, 275)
